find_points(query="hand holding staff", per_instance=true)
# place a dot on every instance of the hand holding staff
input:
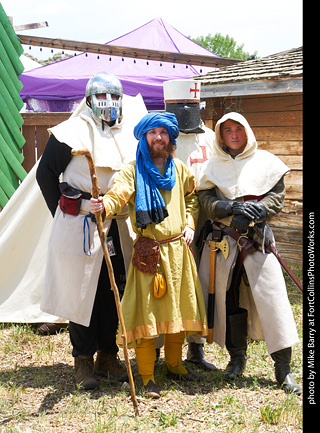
(114, 288)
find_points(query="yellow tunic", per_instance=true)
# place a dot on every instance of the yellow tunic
(182, 307)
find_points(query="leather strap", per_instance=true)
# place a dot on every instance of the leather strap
(250, 245)
(87, 195)
(243, 241)
(271, 248)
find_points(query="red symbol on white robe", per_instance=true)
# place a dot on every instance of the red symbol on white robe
(195, 90)
(200, 160)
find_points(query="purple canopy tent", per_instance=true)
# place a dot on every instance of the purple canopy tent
(60, 86)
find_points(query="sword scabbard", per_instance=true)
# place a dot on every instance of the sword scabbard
(212, 276)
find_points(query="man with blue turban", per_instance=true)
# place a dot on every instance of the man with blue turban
(163, 207)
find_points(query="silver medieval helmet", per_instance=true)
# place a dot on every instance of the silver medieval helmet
(108, 109)
(182, 98)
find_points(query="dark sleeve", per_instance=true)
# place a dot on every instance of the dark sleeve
(55, 158)
(208, 199)
(274, 199)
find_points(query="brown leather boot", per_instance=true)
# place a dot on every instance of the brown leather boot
(109, 365)
(83, 365)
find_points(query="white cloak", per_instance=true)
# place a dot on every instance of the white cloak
(25, 224)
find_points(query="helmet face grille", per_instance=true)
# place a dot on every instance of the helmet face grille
(107, 108)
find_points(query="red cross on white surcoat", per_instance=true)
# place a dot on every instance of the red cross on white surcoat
(200, 160)
(195, 90)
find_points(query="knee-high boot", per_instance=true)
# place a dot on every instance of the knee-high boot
(236, 343)
(282, 360)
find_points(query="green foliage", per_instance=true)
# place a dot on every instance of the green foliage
(167, 420)
(224, 46)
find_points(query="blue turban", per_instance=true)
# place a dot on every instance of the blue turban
(150, 206)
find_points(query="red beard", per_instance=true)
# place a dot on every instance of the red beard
(162, 153)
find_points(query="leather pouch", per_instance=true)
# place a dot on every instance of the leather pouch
(146, 255)
(70, 200)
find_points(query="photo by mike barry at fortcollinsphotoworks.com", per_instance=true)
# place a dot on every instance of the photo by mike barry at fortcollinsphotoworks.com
(310, 312)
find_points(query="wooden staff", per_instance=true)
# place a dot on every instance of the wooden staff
(114, 288)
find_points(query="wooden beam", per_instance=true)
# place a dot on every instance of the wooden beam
(251, 87)
(137, 53)
(44, 118)
(31, 26)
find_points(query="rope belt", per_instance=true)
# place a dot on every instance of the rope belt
(87, 227)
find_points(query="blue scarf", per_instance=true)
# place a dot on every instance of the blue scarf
(150, 206)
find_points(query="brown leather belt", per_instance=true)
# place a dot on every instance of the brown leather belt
(246, 246)
(249, 246)
(243, 241)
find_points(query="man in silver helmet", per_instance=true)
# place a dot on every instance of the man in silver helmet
(104, 96)
(76, 283)
(194, 148)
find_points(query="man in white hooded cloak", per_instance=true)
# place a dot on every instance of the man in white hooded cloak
(241, 186)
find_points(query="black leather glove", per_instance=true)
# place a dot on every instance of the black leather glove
(223, 208)
(262, 211)
(240, 223)
(246, 208)
(255, 211)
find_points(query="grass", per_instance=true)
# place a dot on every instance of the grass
(37, 391)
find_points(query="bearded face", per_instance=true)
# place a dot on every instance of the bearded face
(159, 143)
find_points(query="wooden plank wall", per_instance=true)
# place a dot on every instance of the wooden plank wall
(34, 130)
(276, 121)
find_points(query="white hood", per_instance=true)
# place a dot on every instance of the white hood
(252, 172)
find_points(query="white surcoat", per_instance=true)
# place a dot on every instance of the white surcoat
(74, 250)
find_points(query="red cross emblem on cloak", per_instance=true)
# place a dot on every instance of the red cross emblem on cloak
(195, 90)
